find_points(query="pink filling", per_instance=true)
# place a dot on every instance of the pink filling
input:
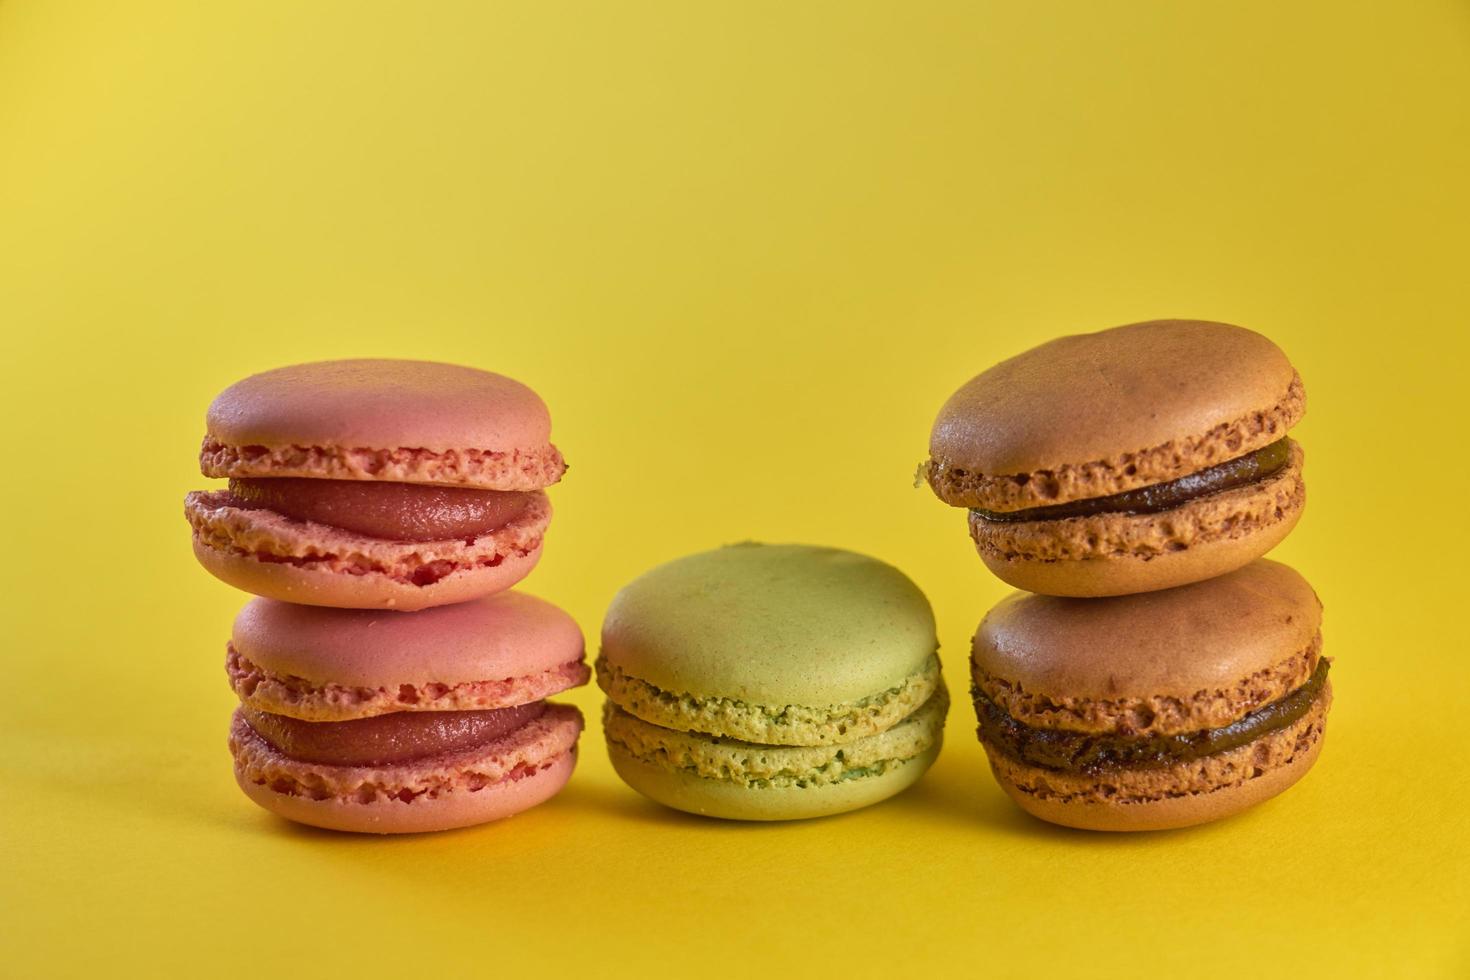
(393, 511)
(390, 739)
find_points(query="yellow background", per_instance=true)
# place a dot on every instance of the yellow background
(744, 251)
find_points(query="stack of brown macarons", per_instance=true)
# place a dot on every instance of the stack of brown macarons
(1156, 672)
(381, 510)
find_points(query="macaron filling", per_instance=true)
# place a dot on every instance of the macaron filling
(380, 509)
(758, 766)
(281, 692)
(391, 739)
(1083, 752)
(1241, 471)
(780, 724)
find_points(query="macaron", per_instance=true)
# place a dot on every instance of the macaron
(372, 721)
(1137, 458)
(374, 484)
(771, 682)
(1158, 710)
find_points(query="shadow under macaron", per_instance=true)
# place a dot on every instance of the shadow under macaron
(988, 808)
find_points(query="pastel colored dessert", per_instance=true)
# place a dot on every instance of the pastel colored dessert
(1158, 710)
(771, 682)
(372, 721)
(1142, 457)
(374, 484)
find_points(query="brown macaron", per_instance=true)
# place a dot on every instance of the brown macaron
(1137, 458)
(1158, 710)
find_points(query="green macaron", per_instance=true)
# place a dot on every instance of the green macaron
(771, 682)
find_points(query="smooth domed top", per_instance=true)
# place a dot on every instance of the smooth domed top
(381, 404)
(1173, 643)
(496, 638)
(1093, 396)
(771, 625)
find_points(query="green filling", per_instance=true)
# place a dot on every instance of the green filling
(790, 724)
(784, 780)
(760, 765)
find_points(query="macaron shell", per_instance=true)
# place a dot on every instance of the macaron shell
(732, 801)
(294, 697)
(1175, 643)
(318, 565)
(771, 625)
(1125, 470)
(494, 802)
(790, 725)
(1126, 576)
(511, 634)
(385, 799)
(1238, 512)
(737, 780)
(753, 764)
(1092, 396)
(316, 587)
(516, 469)
(1183, 809)
(380, 404)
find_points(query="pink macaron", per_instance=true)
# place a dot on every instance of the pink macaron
(371, 721)
(371, 484)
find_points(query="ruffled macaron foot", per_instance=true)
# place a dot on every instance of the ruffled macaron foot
(443, 792)
(376, 721)
(268, 554)
(1158, 710)
(375, 484)
(771, 682)
(1140, 458)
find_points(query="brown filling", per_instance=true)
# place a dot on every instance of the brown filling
(389, 739)
(1086, 752)
(1228, 475)
(395, 511)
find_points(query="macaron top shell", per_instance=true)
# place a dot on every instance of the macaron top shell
(379, 408)
(502, 636)
(1170, 644)
(771, 625)
(1093, 397)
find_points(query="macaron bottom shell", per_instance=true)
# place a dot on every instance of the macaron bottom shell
(439, 792)
(730, 800)
(1119, 576)
(725, 777)
(307, 586)
(1113, 554)
(307, 563)
(794, 725)
(464, 809)
(1184, 795)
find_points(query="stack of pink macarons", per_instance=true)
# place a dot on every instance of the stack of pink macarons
(381, 511)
